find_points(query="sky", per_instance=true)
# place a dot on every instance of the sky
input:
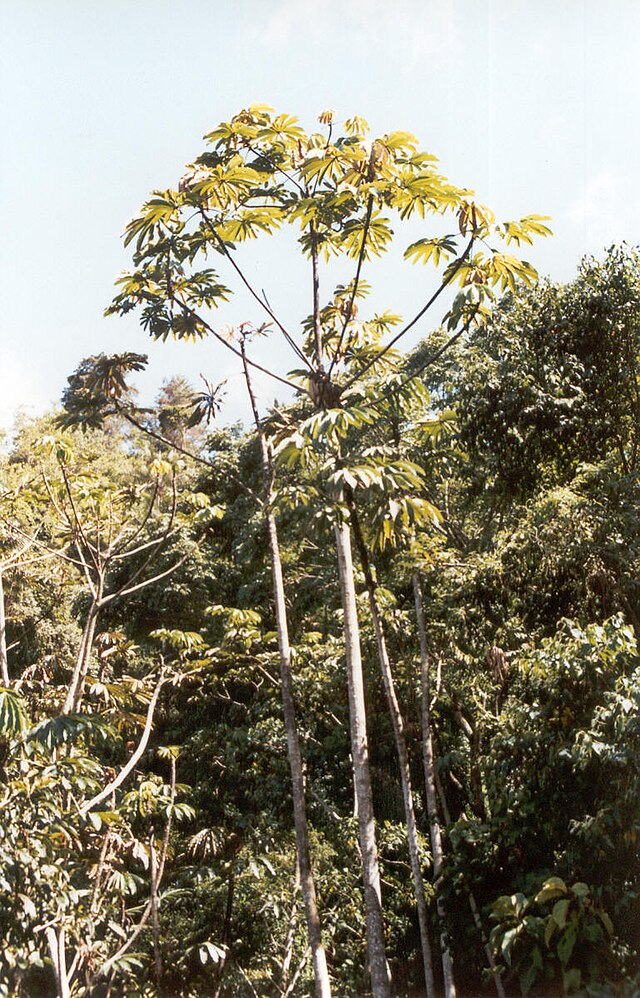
(533, 103)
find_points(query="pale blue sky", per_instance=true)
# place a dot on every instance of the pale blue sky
(533, 103)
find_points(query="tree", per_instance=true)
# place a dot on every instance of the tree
(303, 865)
(113, 535)
(260, 172)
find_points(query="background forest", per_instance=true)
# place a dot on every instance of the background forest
(348, 702)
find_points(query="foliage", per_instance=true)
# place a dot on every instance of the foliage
(559, 932)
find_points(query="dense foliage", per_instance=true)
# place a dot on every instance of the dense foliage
(147, 844)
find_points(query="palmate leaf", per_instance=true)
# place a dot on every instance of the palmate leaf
(506, 270)
(379, 235)
(13, 713)
(250, 224)
(226, 185)
(283, 129)
(68, 728)
(159, 210)
(401, 141)
(525, 230)
(416, 193)
(431, 250)
(356, 127)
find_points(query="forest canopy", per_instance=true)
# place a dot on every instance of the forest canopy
(346, 701)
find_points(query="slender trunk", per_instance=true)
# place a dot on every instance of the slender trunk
(477, 791)
(430, 786)
(495, 973)
(228, 911)
(155, 920)
(291, 935)
(4, 663)
(380, 983)
(74, 693)
(294, 980)
(497, 980)
(57, 951)
(397, 722)
(321, 974)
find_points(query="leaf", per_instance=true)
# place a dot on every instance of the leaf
(431, 250)
(209, 952)
(524, 230)
(400, 141)
(571, 980)
(552, 888)
(527, 979)
(67, 728)
(566, 943)
(559, 913)
(606, 921)
(580, 890)
(13, 713)
(357, 127)
(508, 941)
(549, 929)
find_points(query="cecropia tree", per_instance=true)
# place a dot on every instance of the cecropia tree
(343, 193)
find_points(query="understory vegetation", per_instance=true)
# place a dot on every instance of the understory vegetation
(348, 701)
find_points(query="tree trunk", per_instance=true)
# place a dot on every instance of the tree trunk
(397, 722)
(430, 786)
(57, 951)
(4, 662)
(380, 983)
(291, 935)
(155, 920)
(321, 974)
(497, 980)
(74, 693)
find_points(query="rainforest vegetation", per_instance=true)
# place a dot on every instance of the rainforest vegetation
(345, 700)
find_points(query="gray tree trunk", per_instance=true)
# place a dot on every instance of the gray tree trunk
(57, 951)
(320, 971)
(74, 693)
(400, 740)
(321, 974)
(430, 787)
(380, 982)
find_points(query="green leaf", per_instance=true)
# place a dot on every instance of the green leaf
(508, 941)
(431, 250)
(580, 890)
(606, 921)
(549, 929)
(13, 713)
(552, 888)
(559, 913)
(566, 943)
(67, 728)
(527, 979)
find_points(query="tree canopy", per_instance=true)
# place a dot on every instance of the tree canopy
(346, 701)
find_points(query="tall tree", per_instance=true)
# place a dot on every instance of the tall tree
(260, 172)
(303, 865)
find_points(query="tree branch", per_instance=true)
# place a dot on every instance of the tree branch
(130, 765)
(445, 283)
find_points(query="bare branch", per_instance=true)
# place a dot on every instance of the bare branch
(263, 304)
(405, 329)
(130, 765)
(354, 291)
